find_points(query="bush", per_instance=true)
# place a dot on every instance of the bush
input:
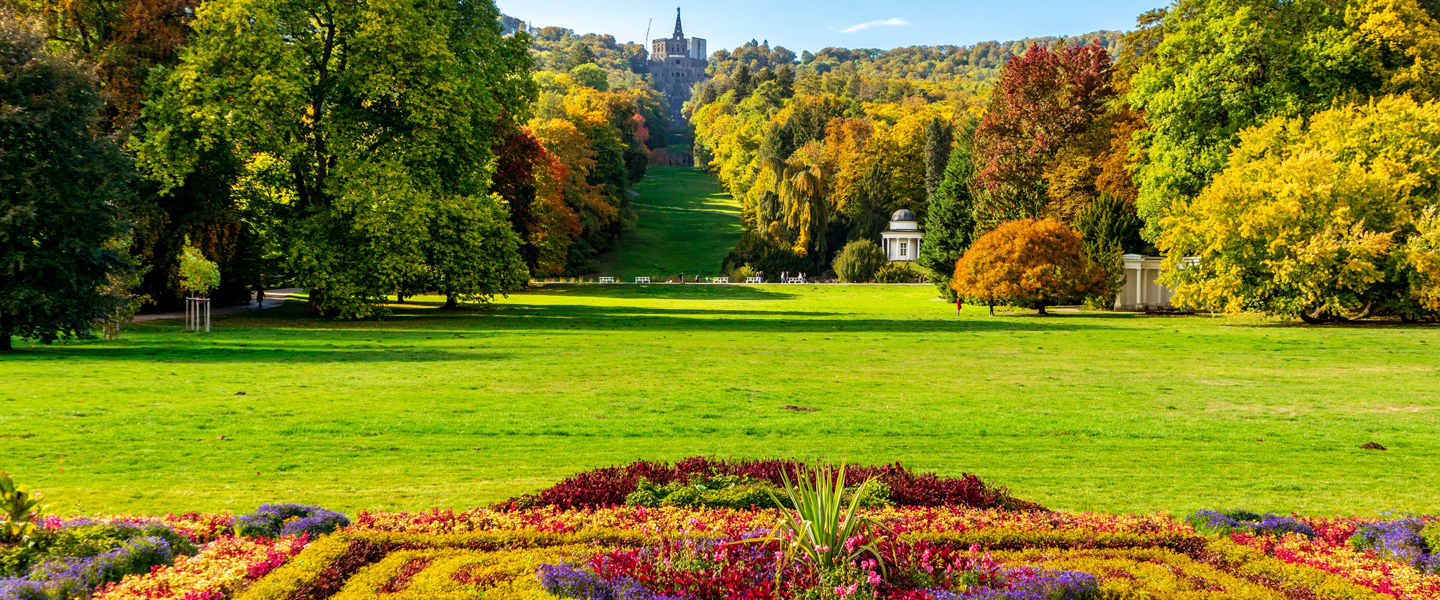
(741, 272)
(898, 272)
(762, 255)
(858, 262)
(84, 538)
(274, 520)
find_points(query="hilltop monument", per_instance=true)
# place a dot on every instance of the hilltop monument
(678, 63)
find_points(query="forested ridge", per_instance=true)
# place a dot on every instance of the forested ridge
(368, 151)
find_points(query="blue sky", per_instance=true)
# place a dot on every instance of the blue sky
(815, 24)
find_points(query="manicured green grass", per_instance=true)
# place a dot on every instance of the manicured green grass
(1097, 411)
(685, 224)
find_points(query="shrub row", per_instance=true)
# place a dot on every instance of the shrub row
(609, 486)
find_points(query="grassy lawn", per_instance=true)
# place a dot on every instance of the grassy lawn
(1096, 411)
(685, 224)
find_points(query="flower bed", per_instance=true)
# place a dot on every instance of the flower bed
(655, 548)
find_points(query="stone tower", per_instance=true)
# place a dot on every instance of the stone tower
(678, 63)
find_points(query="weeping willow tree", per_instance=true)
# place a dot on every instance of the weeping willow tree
(804, 200)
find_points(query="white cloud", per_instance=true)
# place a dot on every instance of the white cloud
(895, 22)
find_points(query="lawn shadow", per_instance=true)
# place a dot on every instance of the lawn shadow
(279, 352)
(662, 291)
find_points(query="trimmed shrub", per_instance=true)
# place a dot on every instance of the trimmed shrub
(858, 262)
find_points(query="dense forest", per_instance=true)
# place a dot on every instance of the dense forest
(1278, 154)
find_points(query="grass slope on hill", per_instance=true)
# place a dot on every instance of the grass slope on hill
(685, 224)
(1095, 411)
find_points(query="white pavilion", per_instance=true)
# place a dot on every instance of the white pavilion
(901, 241)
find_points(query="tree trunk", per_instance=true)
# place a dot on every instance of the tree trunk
(450, 301)
(312, 305)
(1042, 312)
(1310, 319)
(5, 337)
(399, 298)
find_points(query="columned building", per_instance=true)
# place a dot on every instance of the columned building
(678, 63)
(901, 241)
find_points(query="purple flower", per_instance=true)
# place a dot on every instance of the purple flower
(74, 576)
(19, 588)
(1398, 540)
(273, 520)
(1030, 584)
(568, 581)
(1225, 522)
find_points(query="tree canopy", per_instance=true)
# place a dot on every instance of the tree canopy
(384, 115)
(61, 182)
(1323, 218)
(1027, 262)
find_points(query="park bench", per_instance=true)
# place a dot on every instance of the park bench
(752, 280)
(607, 280)
(642, 280)
(720, 280)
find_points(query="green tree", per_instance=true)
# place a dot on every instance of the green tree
(1111, 222)
(939, 139)
(950, 222)
(580, 55)
(1223, 66)
(858, 261)
(591, 76)
(198, 275)
(60, 181)
(384, 112)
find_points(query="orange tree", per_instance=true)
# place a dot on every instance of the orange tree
(1027, 263)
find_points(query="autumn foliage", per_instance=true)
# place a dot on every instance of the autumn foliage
(1027, 262)
(1043, 100)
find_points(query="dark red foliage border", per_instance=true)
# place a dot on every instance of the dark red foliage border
(609, 486)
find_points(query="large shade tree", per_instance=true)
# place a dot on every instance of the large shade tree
(1043, 100)
(1222, 66)
(61, 180)
(384, 113)
(1325, 218)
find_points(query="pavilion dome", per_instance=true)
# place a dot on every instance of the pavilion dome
(903, 215)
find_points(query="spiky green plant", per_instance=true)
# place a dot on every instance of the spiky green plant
(821, 522)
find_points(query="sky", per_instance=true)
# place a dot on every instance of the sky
(815, 24)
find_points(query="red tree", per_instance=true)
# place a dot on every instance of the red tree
(1043, 99)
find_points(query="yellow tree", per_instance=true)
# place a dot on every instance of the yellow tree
(805, 200)
(1402, 42)
(1311, 218)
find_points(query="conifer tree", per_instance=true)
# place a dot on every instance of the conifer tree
(949, 222)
